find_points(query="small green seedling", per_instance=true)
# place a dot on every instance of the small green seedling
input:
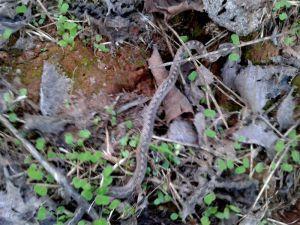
(235, 41)
(184, 38)
(40, 190)
(40, 144)
(21, 9)
(174, 216)
(6, 34)
(100, 221)
(209, 198)
(210, 113)
(192, 76)
(210, 133)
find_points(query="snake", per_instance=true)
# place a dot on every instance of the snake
(163, 89)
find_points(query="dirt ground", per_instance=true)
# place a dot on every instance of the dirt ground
(77, 85)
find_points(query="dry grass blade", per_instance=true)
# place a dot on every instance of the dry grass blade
(45, 10)
(266, 183)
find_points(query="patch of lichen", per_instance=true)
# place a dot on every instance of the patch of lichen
(87, 63)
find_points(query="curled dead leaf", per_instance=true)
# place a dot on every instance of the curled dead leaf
(175, 103)
(285, 112)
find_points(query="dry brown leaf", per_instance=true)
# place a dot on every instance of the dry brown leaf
(226, 147)
(14, 207)
(3, 104)
(200, 124)
(175, 103)
(256, 133)
(285, 112)
(206, 76)
(183, 131)
(46, 124)
(54, 91)
(172, 7)
(258, 84)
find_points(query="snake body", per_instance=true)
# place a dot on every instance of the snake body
(148, 123)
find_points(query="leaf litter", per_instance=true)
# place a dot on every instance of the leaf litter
(193, 154)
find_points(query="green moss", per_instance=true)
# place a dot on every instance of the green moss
(30, 73)
(296, 83)
(140, 63)
(86, 62)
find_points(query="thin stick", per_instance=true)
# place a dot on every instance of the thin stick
(270, 125)
(229, 96)
(211, 151)
(166, 39)
(78, 215)
(132, 104)
(176, 142)
(46, 11)
(217, 52)
(60, 179)
(38, 32)
(287, 148)
(229, 89)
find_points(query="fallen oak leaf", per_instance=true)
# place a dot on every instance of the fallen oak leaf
(285, 112)
(175, 103)
(183, 131)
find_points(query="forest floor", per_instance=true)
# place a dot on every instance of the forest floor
(77, 77)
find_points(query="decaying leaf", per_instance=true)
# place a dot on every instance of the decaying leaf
(84, 108)
(54, 90)
(130, 221)
(229, 72)
(286, 60)
(252, 219)
(117, 20)
(194, 93)
(258, 84)
(285, 112)
(256, 133)
(14, 209)
(200, 125)
(25, 43)
(226, 147)
(183, 131)
(206, 77)
(10, 20)
(175, 103)
(3, 104)
(203, 77)
(46, 124)
(172, 7)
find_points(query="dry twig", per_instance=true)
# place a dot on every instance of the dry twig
(45, 10)
(222, 50)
